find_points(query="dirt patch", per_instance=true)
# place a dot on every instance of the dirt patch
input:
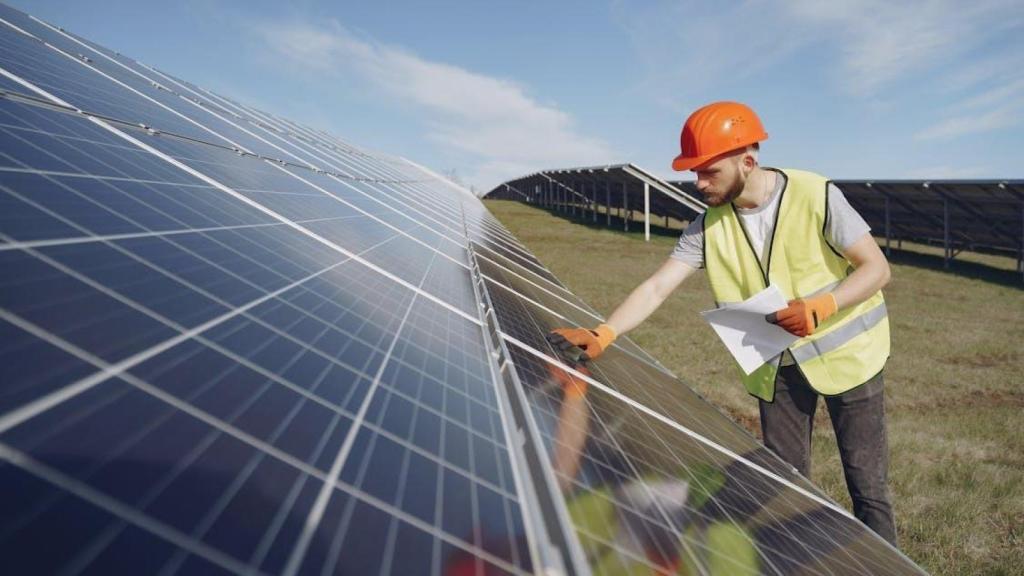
(750, 423)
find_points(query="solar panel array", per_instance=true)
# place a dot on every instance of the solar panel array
(233, 344)
(957, 214)
(596, 193)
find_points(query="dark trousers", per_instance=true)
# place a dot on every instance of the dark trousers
(858, 418)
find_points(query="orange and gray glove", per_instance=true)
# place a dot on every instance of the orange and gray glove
(802, 317)
(592, 342)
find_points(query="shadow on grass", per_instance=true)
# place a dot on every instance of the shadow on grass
(907, 257)
(967, 269)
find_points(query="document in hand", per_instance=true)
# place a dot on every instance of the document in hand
(750, 338)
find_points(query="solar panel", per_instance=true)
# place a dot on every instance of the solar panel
(596, 193)
(233, 344)
(961, 214)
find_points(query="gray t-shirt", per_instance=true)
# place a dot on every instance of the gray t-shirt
(844, 227)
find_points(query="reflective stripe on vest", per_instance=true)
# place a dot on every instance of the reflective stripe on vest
(841, 335)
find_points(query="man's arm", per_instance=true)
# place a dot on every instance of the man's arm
(641, 302)
(648, 296)
(871, 273)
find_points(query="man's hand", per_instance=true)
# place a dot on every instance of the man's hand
(802, 317)
(592, 342)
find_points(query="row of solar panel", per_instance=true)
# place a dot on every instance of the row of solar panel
(601, 194)
(962, 214)
(235, 344)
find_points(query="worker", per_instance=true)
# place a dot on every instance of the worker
(795, 230)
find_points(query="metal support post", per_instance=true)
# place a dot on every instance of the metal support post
(888, 234)
(625, 207)
(647, 212)
(608, 204)
(572, 197)
(945, 234)
(593, 200)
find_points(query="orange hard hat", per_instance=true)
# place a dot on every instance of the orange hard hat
(715, 129)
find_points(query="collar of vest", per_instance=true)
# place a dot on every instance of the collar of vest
(797, 256)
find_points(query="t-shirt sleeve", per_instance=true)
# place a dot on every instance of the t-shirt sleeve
(690, 247)
(845, 226)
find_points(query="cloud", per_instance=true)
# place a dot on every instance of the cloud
(883, 42)
(957, 63)
(868, 44)
(996, 107)
(950, 128)
(493, 121)
(688, 48)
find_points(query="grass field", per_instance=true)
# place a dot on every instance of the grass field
(955, 403)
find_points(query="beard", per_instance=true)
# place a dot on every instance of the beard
(726, 195)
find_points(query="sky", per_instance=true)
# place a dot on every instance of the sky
(489, 91)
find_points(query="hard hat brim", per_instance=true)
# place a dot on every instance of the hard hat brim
(683, 163)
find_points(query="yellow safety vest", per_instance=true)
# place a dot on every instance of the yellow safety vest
(847, 349)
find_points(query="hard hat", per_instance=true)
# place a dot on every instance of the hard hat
(715, 129)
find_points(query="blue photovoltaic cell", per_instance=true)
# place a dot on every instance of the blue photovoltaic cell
(213, 362)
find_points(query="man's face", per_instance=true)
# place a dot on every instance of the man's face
(721, 181)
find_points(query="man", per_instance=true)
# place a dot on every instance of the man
(795, 230)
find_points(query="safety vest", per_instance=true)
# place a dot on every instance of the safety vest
(848, 348)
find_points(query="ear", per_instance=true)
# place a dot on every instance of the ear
(748, 162)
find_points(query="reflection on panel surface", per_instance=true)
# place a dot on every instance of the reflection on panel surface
(638, 380)
(646, 498)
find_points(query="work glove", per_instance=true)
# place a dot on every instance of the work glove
(592, 342)
(802, 317)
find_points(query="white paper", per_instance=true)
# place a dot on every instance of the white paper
(750, 338)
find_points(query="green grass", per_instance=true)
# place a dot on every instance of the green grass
(955, 400)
